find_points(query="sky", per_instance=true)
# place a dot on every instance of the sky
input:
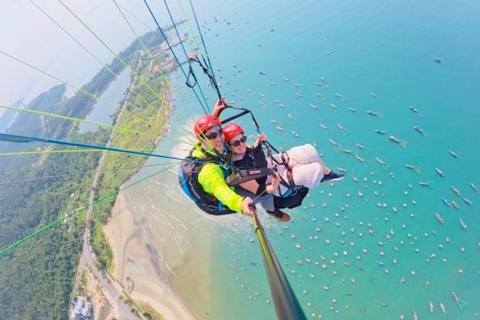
(29, 35)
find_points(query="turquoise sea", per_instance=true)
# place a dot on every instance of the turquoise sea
(353, 48)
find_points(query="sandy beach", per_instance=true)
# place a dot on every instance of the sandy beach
(136, 257)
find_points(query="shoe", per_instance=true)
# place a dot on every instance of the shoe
(333, 176)
(279, 215)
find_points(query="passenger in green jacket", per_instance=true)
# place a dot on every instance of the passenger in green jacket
(211, 177)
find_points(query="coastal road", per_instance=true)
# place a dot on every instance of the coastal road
(111, 289)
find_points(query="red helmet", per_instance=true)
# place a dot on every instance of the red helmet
(204, 123)
(230, 131)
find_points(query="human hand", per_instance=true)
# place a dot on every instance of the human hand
(192, 55)
(246, 206)
(220, 105)
(262, 137)
(276, 180)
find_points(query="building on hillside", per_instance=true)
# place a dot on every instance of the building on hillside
(81, 309)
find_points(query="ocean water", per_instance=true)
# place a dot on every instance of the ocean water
(357, 47)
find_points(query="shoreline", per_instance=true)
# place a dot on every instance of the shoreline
(133, 260)
(154, 266)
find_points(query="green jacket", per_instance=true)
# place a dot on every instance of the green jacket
(213, 183)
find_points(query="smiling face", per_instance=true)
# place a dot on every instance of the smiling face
(213, 138)
(241, 147)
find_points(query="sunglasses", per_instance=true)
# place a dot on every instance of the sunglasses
(237, 143)
(213, 135)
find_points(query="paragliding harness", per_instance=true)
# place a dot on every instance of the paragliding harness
(295, 194)
(188, 179)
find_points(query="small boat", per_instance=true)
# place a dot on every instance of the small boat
(373, 94)
(352, 109)
(463, 224)
(439, 218)
(446, 202)
(468, 201)
(299, 95)
(461, 304)
(397, 140)
(453, 154)
(262, 72)
(318, 84)
(338, 95)
(373, 113)
(418, 129)
(313, 106)
(455, 190)
(474, 187)
(286, 79)
(437, 60)
(413, 109)
(415, 168)
(380, 161)
(296, 85)
(415, 317)
(455, 204)
(333, 106)
(442, 307)
(361, 147)
(424, 183)
(440, 172)
(431, 307)
(380, 131)
(333, 142)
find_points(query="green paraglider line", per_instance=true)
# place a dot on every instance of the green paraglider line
(78, 211)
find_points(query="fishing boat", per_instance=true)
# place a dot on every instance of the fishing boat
(442, 307)
(455, 204)
(439, 218)
(446, 201)
(463, 224)
(461, 304)
(453, 154)
(455, 190)
(474, 187)
(440, 172)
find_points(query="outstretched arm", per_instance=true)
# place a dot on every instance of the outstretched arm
(260, 138)
(219, 106)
